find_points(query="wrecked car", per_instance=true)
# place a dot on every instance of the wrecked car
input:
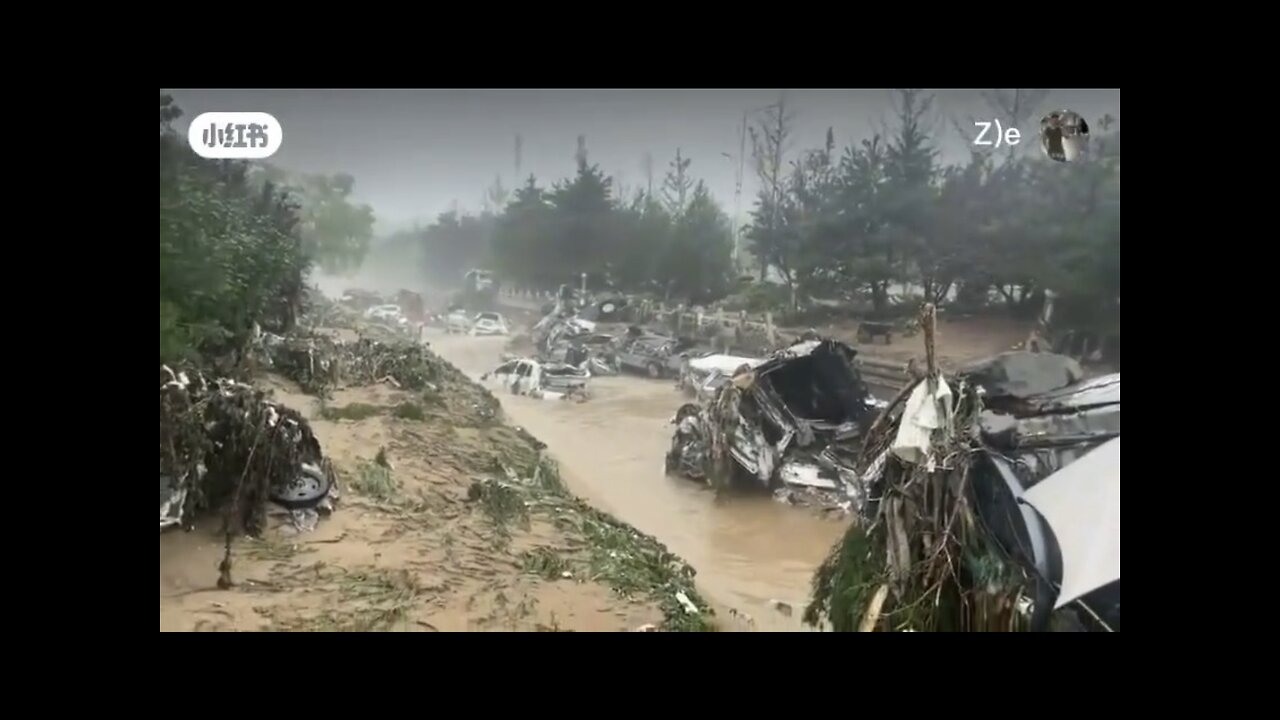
(1011, 465)
(536, 379)
(557, 330)
(457, 323)
(795, 418)
(689, 443)
(657, 356)
(1031, 434)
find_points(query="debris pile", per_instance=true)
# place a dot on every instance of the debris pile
(567, 352)
(318, 362)
(947, 540)
(795, 420)
(223, 442)
(324, 312)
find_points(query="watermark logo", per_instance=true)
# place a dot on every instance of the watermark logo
(235, 135)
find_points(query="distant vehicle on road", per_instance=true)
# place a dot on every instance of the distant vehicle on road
(457, 322)
(387, 314)
(490, 323)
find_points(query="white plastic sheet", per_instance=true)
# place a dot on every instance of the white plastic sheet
(927, 410)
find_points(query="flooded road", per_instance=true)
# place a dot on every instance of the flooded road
(748, 550)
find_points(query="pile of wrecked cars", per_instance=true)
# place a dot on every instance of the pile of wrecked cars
(564, 336)
(568, 352)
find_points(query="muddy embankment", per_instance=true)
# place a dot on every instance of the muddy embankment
(469, 529)
(749, 550)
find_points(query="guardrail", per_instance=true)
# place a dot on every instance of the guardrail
(886, 374)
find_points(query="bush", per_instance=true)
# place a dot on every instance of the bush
(230, 255)
(759, 297)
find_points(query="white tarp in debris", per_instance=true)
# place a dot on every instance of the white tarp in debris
(726, 364)
(1081, 504)
(926, 411)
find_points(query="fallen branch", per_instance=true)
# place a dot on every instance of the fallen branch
(872, 616)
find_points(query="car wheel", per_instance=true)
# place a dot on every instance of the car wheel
(306, 490)
(655, 370)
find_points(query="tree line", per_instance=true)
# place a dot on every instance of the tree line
(237, 241)
(884, 211)
(851, 223)
(675, 242)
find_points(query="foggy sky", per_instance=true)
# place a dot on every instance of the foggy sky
(414, 153)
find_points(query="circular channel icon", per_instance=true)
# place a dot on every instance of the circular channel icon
(1064, 135)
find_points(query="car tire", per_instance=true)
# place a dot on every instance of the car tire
(655, 370)
(307, 490)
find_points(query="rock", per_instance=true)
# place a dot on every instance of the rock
(782, 607)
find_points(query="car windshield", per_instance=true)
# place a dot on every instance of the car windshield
(494, 317)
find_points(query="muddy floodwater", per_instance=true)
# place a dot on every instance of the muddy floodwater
(749, 550)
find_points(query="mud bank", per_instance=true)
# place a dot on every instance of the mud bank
(469, 530)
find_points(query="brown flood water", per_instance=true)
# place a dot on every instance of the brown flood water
(748, 550)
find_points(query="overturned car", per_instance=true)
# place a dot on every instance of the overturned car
(796, 418)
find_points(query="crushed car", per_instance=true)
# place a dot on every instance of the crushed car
(796, 418)
(553, 381)
(558, 329)
(658, 356)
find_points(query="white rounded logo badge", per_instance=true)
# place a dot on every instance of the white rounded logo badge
(235, 135)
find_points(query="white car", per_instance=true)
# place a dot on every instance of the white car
(549, 381)
(489, 323)
(389, 314)
(457, 322)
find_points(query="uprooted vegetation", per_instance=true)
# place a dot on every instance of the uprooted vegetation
(374, 480)
(604, 549)
(222, 443)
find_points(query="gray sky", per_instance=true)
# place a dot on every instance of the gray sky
(415, 152)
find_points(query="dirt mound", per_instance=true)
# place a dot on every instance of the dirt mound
(451, 520)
